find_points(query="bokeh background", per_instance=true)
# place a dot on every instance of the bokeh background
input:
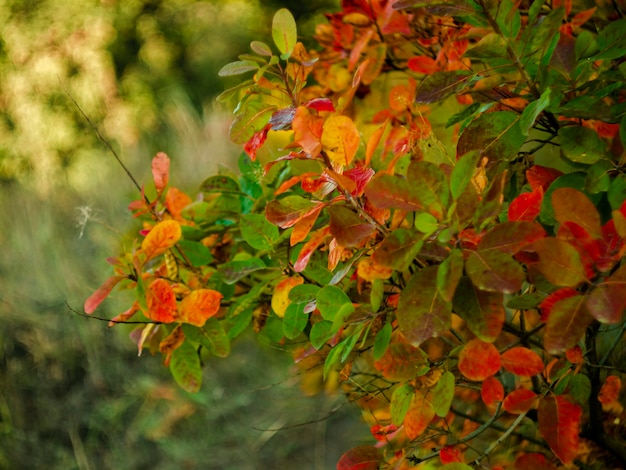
(74, 394)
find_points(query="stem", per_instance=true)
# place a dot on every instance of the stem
(504, 435)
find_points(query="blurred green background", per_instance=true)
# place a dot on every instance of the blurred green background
(73, 394)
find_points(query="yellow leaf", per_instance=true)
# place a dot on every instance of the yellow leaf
(280, 298)
(199, 306)
(369, 270)
(161, 238)
(340, 139)
(161, 301)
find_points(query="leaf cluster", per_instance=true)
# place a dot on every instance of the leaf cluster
(431, 211)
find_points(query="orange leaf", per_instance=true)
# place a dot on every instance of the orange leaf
(303, 226)
(479, 360)
(161, 301)
(340, 139)
(559, 421)
(610, 390)
(176, 201)
(491, 391)
(124, 316)
(419, 416)
(160, 171)
(172, 342)
(373, 142)
(161, 238)
(101, 293)
(522, 361)
(309, 248)
(369, 269)
(520, 401)
(360, 458)
(199, 306)
(307, 128)
(423, 64)
(575, 355)
(280, 297)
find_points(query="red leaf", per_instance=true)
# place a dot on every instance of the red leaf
(161, 301)
(256, 142)
(522, 361)
(526, 206)
(287, 211)
(520, 401)
(541, 176)
(450, 454)
(383, 433)
(534, 461)
(320, 104)
(559, 421)
(361, 176)
(347, 227)
(360, 458)
(610, 390)
(101, 293)
(160, 171)
(479, 360)
(546, 304)
(491, 391)
(575, 355)
(309, 248)
(423, 64)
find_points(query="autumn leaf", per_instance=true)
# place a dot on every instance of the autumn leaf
(280, 296)
(495, 271)
(101, 293)
(482, 311)
(479, 360)
(176, 201)
(571, 205)
(160, 171)
(522, 361)
(308, 128)
(511, 237)
(161, 238)
(360, 458)
(401, 361)
(161, 302)
(199, 306)
(559, 262)
(369, 269)
(491, 391)
(340, 139)
(607, 301)
(609, 392)
(559, 422)
(568, 320)
(526, 206)
(520, 401)
(418, 417)
(317, 238)
(287, 211)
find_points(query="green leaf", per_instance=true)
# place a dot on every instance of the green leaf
(239, 324)
(330, 300)
(303, 293)
(426, 223)
(258, 232)
(350, 342)
(482, 311)
(185, 368)
(284, 32)
(617, 192)
(495, 271)
(398, 249)
(580, 388)
(321, 332)
(421, 312)
(333, 358)
(598, 177)
(376, 294)
(212, 336)
(611, 41)
(431, 185)
(440, 85)
(534, 109)
(525, 301)
(233, 271)
(581, 144)
(462, 173)
(497, 136)
(237, 68)
(442, 394)
(382, 340)
(261, 48)
(252, 117)
(566, 324)
(400, 403)
(295, 320)
(195, 252)
(585, 45)
(490, 46)
(449, 273)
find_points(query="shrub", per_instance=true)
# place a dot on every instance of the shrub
(431, 213)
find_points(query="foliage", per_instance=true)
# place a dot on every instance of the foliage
(448, 181)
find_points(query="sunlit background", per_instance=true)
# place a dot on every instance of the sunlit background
(73, 394)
